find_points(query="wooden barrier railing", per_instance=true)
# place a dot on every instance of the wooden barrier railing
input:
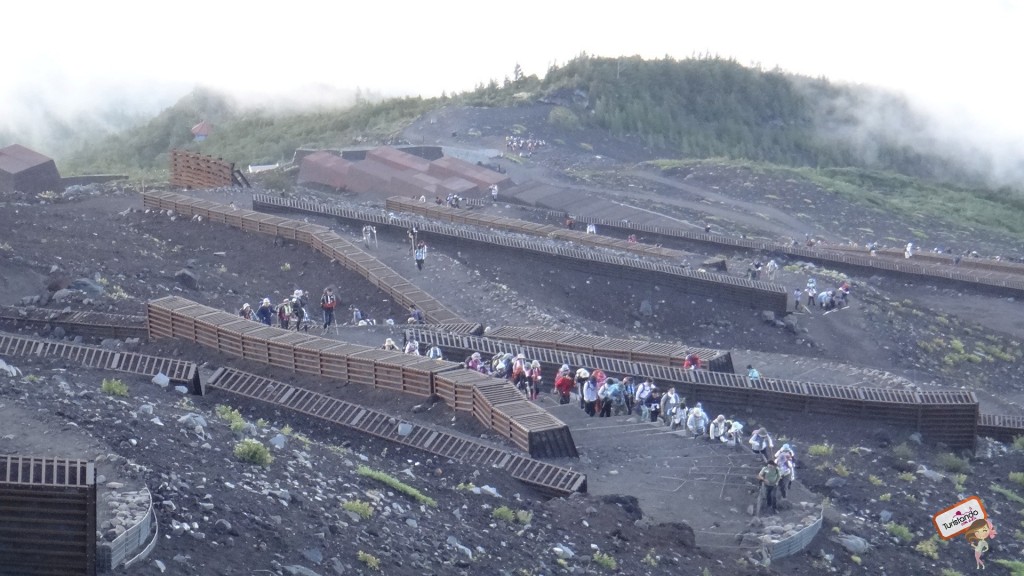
(462, 216)
(756, 294)
(631, 350)
(321, 238)
(948, 416)
(550, 479)
(192, 170)
(83, 323)
(499, 405)
(1002, 277)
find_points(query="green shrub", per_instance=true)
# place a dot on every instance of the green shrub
(651, 559)
(900, 531)
(605, 560)
(232, 417)
(907, 476)
(1017, 477)
(397, 485)
(363, 509)
(253, 452)
(524, 516)
(371, 561)
(903, 451)
(1018, 443)
(951, 463)
(958, 481)
(875, 480)
(950, 572)
(503, 513)
(820, 450)
(885, 497)
(114, 387)
(562, 117)
(841, 470)
(929, 548)
(1010, 494)
(1016, 566)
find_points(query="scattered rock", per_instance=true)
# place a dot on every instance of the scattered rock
(836, 482)
(161, 380)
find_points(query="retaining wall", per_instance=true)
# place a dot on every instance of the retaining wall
(752, 293)
(47, 516)
(948, 416)
(496, 403)
(321, 238)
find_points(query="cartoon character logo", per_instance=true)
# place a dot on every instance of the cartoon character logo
(977, 534)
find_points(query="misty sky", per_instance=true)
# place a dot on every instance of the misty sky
(958, 58)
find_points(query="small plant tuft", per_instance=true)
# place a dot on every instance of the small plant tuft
(950, 572)
(114, 387)
(1009, 494)
(363, 509)
(253, 452)
(524, 516)
(1017, 477)
(503, 513)
(1018, 443)
(371, 561)
(1016, 566)
(605, 560)
(952, 463)
(929, 548)
(900, 531)
(903, 451)
(958, 481)
(907, 476)
(397, 485)
(875, 480)
(651, 559)
(820, 450)
(856, 559)
(841, 470)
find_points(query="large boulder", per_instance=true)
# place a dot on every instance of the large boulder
(187, 279)
(88, 286)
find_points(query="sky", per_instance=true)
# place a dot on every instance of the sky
(960, 60)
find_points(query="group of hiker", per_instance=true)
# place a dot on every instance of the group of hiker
(292, 312)
(826, 299)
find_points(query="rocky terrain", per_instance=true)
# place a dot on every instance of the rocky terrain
(94, 248)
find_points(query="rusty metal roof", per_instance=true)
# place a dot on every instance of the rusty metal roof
(16, 158)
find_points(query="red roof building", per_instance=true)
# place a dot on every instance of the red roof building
(325, 169)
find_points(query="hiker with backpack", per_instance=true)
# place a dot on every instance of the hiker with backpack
(299, 301)
(590, 396)
(284, 313)
(604, 397)
(616, 396)
(643, 393)
(564, 386)
(265, 313)
(246, 312)
(761, 444)
(519, 372)
(697, 421)
(327, 304)
(669, 402)
(769, 477)
(582, 376)
(533, 379)
(629, 393)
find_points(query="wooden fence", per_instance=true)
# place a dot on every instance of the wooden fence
(495, 403)
(192, 170)
(322, 239)
(752, 293)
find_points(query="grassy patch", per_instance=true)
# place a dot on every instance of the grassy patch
(1018, 443)
(950, 572)
(820, 450)
(903, 451)
(900, 531)
(907, 476)
(503, 513)
(562, 117)
(958, 481)
(651, 559)
(524, 516)
(371, 561)
(363, 509)
(1010, 494)
(951, 463)
(232, 416)
(253, 451)
(605, 561)
(885, 497)
(1016, 567)
(1017, 477)
(397, 485)
(875, 480)
(929, 547)
(114, 387)
(841, 470)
